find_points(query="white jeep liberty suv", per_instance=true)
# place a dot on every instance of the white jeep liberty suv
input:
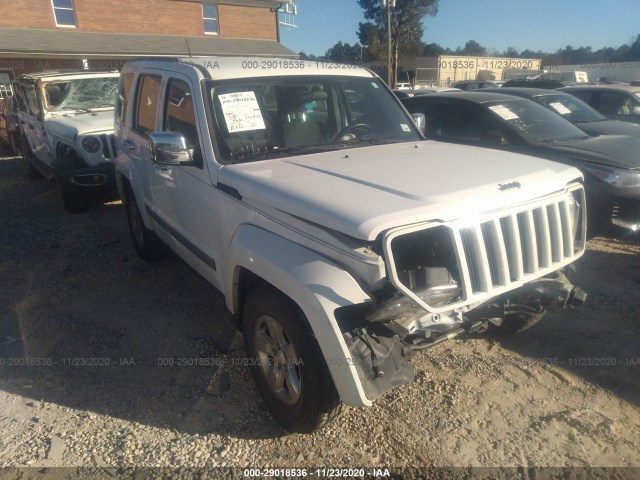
(341, 239)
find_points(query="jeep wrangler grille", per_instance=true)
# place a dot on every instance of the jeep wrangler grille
(495, 252)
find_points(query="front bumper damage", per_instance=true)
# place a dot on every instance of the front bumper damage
(381, 350)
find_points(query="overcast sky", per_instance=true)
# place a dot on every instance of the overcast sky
(496, 24)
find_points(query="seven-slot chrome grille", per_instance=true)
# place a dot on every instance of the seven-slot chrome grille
(501, 251)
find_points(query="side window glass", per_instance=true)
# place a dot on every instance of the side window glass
(584, 96)
(179, 115)
(147, 103)
(615, 104)
(126, 80)
(31, 100)
(459, 122)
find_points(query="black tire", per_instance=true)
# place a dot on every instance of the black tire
(73, 199)
(148, 246)
(32, 172)
(514, 323)
(317, 402)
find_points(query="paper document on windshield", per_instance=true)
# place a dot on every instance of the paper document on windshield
(560, 108)
(241, 112)
(504, 112)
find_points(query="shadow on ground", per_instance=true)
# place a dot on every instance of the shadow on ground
(87, 325)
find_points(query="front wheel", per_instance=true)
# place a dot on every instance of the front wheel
(73, 199)
(148, 246)
(289, 368)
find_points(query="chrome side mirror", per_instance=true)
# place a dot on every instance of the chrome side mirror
(635, 110)
(420, 120)
(170, 148)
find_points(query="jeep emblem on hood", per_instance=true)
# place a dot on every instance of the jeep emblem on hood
(508, 186)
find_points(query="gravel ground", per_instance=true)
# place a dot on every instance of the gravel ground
(566, 393)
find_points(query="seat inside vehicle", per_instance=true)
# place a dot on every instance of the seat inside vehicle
(299, 127)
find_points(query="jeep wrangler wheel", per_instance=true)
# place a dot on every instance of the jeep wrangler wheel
(25, 151)
(73, 200)
(148, 246)
(290, 371)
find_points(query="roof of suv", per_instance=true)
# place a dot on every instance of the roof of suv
(525, 92)
(626, 88)
(33, 77)
(221, 68)
(477, 96)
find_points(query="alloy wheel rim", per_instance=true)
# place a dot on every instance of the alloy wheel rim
(277, 360)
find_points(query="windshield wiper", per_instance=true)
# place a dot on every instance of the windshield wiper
(563, 140)
(370, 140)
(79, 109)
(276, 151)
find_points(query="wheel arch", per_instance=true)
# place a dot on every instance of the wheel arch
(315, 284)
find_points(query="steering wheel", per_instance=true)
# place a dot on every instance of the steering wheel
(353, 132)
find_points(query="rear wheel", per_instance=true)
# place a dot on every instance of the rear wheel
(148, 246)
(289, 368)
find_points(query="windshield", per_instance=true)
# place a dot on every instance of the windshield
(571, 108)
(81, 94)
(534, 122)
(268, 117)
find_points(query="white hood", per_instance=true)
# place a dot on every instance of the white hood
(69, 125)
(364, 191)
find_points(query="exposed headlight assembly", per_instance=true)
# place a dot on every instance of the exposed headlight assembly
(616, 176)
(91, 144)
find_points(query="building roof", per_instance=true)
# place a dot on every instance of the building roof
(20, 42)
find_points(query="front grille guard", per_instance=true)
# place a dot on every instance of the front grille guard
(503, 250)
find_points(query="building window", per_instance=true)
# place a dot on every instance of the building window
(210, 17)
(64, 12)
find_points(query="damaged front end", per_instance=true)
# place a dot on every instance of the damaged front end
(450, 279)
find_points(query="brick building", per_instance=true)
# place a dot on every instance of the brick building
(37, 35)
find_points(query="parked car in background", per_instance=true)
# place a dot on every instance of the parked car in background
(617, 102)
(67, 132)
(340, 239)
(423, 91)
(574, 110)
(475, 84)
(9, 133)
(536, 83)
(610, 163)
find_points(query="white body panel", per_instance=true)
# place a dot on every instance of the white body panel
(305, 223)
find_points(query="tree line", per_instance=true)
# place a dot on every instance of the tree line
(343, 52)
(406, 41)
